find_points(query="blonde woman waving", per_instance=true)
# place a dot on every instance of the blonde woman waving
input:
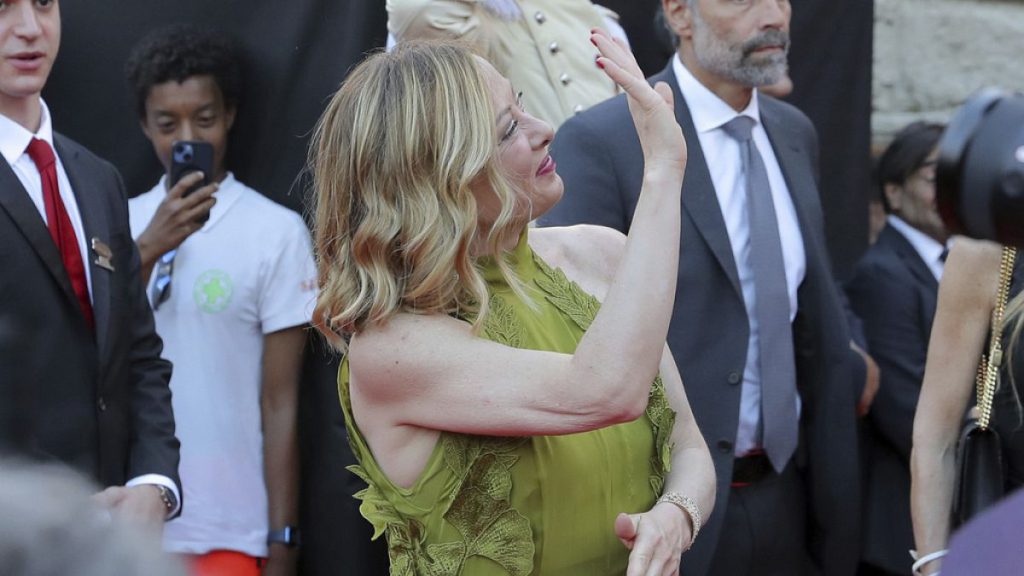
(507, 391)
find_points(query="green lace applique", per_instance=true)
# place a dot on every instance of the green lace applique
(404, 535)
(375, 508)
(501, 324)
(566, 295)
(663, 419)
(481, 510)
(577, 304)
(405, 541)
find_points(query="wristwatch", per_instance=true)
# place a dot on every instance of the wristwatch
(289, 536)
(167, 497)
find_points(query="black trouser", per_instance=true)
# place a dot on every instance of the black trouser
(870, 570)
(765, 529)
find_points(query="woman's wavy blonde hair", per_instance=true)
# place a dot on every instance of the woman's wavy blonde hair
(393, 158)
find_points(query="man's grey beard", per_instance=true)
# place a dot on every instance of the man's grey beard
(735, 62)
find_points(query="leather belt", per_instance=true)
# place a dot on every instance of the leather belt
(751, 469)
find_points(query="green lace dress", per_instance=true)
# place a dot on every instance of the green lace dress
(539, 505)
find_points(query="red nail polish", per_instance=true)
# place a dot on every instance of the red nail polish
(600, 64)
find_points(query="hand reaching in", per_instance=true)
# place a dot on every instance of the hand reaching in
(139, 505)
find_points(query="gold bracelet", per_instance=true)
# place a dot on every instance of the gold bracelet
(686, 504)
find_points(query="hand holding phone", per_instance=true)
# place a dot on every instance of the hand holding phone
(177, 217)
(188, 156)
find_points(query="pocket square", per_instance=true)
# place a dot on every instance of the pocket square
(103, 254)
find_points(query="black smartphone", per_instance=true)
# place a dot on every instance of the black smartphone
(188, 156)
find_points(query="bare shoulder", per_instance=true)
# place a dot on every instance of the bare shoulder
(589, 255)
(971, 275)
(973, 266)
(976, 251)
(386, 358)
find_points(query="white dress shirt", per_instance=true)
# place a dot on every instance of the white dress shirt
(929, 249)
(722, 154)
(14, 141)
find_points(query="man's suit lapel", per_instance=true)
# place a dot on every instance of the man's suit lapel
(699, 198)
(905, 251)
(14, 199)
(793, 160)
(797, 170)
(95, 225)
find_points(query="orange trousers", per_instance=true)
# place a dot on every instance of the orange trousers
(223, 563)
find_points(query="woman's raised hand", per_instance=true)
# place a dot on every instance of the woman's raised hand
(652, 108)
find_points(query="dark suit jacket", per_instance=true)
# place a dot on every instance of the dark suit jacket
(894, 293)
(600, 160)
(98, 402)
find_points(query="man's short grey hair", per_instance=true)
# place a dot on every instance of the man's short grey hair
(661, 26)
(50, 527)
(661, 23)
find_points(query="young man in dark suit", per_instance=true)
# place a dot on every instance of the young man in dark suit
(757, 328)
(81, 378)
(894, 291)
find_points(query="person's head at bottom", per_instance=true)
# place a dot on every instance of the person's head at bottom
(49, 526)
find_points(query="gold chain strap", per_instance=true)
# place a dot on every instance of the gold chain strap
(988, 368)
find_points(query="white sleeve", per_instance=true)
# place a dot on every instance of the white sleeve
(138, 216)
(288, 283)
(434, 19)
(160, 480)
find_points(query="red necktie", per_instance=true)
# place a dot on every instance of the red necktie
(61, 230)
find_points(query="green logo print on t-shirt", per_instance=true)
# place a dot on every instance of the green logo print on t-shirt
(212, 291)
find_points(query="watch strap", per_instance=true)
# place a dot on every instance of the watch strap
(168, 498)
(289, 536)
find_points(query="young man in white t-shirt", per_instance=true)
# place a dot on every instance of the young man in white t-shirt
(232, 284)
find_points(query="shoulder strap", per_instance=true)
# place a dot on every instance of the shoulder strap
(988, 368)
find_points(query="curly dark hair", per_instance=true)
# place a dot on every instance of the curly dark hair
(179, 52)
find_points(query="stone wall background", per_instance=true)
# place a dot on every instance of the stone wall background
(930, 55)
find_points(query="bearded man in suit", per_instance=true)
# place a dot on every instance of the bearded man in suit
(757, 328)
(81, 378)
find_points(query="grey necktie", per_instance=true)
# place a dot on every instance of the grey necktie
(771, 304)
